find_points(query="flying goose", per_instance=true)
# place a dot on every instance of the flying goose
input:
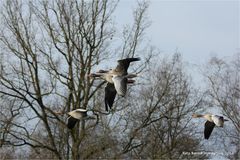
(212, 121)
(117, 79)
(75, 116)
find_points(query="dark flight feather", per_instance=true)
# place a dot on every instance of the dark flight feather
(71, 122)
(123, 64)
(208, 129)
(110, 94)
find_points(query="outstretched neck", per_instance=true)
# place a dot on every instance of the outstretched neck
(197, 115)
(206, 116)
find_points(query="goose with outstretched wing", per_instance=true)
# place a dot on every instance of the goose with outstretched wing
(77, 115)
(117, 79)
(212, 121)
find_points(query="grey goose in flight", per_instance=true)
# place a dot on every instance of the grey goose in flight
(212, 121)
(77, 115)
(117, 80)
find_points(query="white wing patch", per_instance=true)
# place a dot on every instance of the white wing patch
(120, 84)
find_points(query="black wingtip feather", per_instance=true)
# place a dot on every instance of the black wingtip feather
(135, 59)
(106, 105)
(130, 59)
(71, 122)
(110, 94)
(209, 126)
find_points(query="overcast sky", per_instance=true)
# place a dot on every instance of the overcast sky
(197, 29)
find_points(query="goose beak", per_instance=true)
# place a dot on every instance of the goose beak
(194, 115)
(226, 120)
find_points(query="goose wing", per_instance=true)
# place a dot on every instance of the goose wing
(78, 113)
(71, 121)
(110, 94)
(123, 65)
(208, 129)
(120, 84)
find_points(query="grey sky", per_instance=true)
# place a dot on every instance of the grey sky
(197, 29)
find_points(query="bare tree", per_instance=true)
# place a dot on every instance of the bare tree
(224, 90)
(48, 49)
